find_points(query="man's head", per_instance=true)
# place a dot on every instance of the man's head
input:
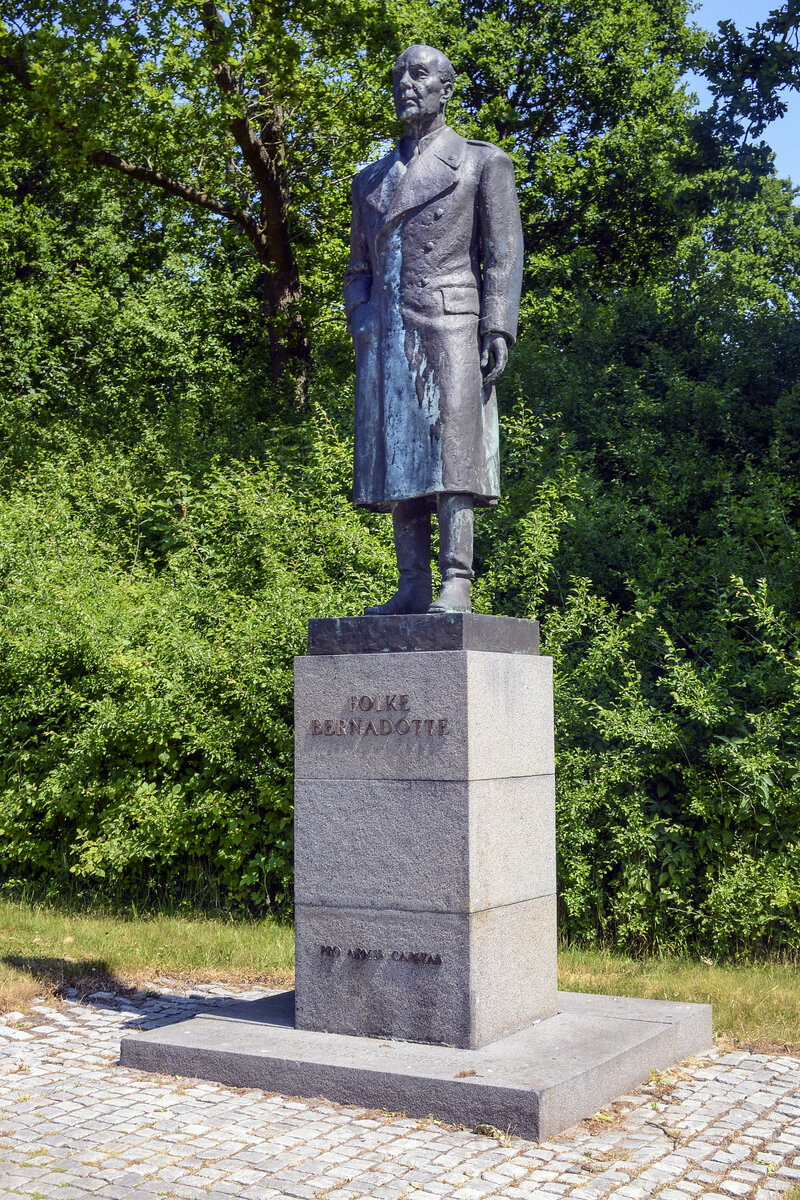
(422, 83)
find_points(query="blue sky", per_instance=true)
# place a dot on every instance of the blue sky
(782, 136)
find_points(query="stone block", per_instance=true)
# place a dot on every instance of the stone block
(459, 715)
(420, 632)
(424, 845)
(510, 716)
(534, 1083)
(460, 979)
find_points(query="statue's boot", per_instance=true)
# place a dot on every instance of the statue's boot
(411, 521)
(456, 523)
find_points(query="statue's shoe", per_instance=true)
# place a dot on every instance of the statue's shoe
(409, 598)
(454, 596)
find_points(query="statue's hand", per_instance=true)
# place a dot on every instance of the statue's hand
(496, 345)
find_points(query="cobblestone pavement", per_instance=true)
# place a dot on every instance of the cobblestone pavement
(74, 1125)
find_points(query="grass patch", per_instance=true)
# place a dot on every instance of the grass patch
(43, 949)
(756, 1006)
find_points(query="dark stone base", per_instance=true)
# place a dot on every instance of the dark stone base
(533, 1083)
(422, 631)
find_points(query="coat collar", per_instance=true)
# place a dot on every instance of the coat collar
(429, 174)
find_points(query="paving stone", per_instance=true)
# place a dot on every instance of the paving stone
(114, 1134)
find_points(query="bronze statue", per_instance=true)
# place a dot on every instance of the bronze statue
(432, 296)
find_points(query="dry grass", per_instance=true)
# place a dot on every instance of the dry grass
(44, 949)
(755, 1007)
(17, 990)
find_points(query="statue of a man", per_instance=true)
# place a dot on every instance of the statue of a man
(432, 296)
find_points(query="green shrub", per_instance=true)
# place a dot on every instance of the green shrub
(146, 671)
(678, 788)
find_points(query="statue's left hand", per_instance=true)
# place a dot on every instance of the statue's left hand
(496, 345)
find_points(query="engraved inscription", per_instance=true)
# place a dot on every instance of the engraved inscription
(393, 703)
(417, 956)
(360, 953)
(357, 726)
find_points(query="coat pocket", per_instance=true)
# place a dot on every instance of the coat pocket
(461, 300)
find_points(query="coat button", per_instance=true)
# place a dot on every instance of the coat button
(439, 213)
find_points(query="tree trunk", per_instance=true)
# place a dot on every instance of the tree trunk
(288, 344)
(263, 148)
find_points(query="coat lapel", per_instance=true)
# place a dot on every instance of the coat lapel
(427, 176)
(380, 184)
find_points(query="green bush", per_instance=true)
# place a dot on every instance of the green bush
(146, 671)
(678, 787)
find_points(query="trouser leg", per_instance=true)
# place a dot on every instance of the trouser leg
(411, 524)
(456, 527)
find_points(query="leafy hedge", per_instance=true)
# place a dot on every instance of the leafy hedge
(146, 673)
(679, 791)
(146, 700)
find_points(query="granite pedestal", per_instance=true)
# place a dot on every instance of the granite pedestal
(425, 883)
(425, 897)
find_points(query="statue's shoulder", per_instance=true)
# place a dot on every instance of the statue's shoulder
(486, 149)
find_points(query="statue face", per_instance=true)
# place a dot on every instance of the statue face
(418, 89)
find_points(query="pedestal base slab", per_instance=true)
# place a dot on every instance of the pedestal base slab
(533, 1083)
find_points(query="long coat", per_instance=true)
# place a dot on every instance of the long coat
(435, 262)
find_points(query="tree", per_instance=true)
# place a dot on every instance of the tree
(588, 98)
(259, 113)
(243, 110)
(748, 75)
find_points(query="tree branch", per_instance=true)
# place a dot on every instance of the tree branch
(17, 68)
(104, 158)
(250, 144)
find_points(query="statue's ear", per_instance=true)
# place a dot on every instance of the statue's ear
(447, 90)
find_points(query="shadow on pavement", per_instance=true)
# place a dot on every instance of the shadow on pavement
(92, 982)
(277, 1009)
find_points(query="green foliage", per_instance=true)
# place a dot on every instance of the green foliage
(747, 74)
(679, 792)
(651, 517)
(105, 331)
(104, 78)
(145, 679)
(168, 523)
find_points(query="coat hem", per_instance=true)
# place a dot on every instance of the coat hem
(385, 505)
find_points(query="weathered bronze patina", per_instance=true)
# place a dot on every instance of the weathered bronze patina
(432, 295)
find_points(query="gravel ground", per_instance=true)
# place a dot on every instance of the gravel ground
(74, 1125)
